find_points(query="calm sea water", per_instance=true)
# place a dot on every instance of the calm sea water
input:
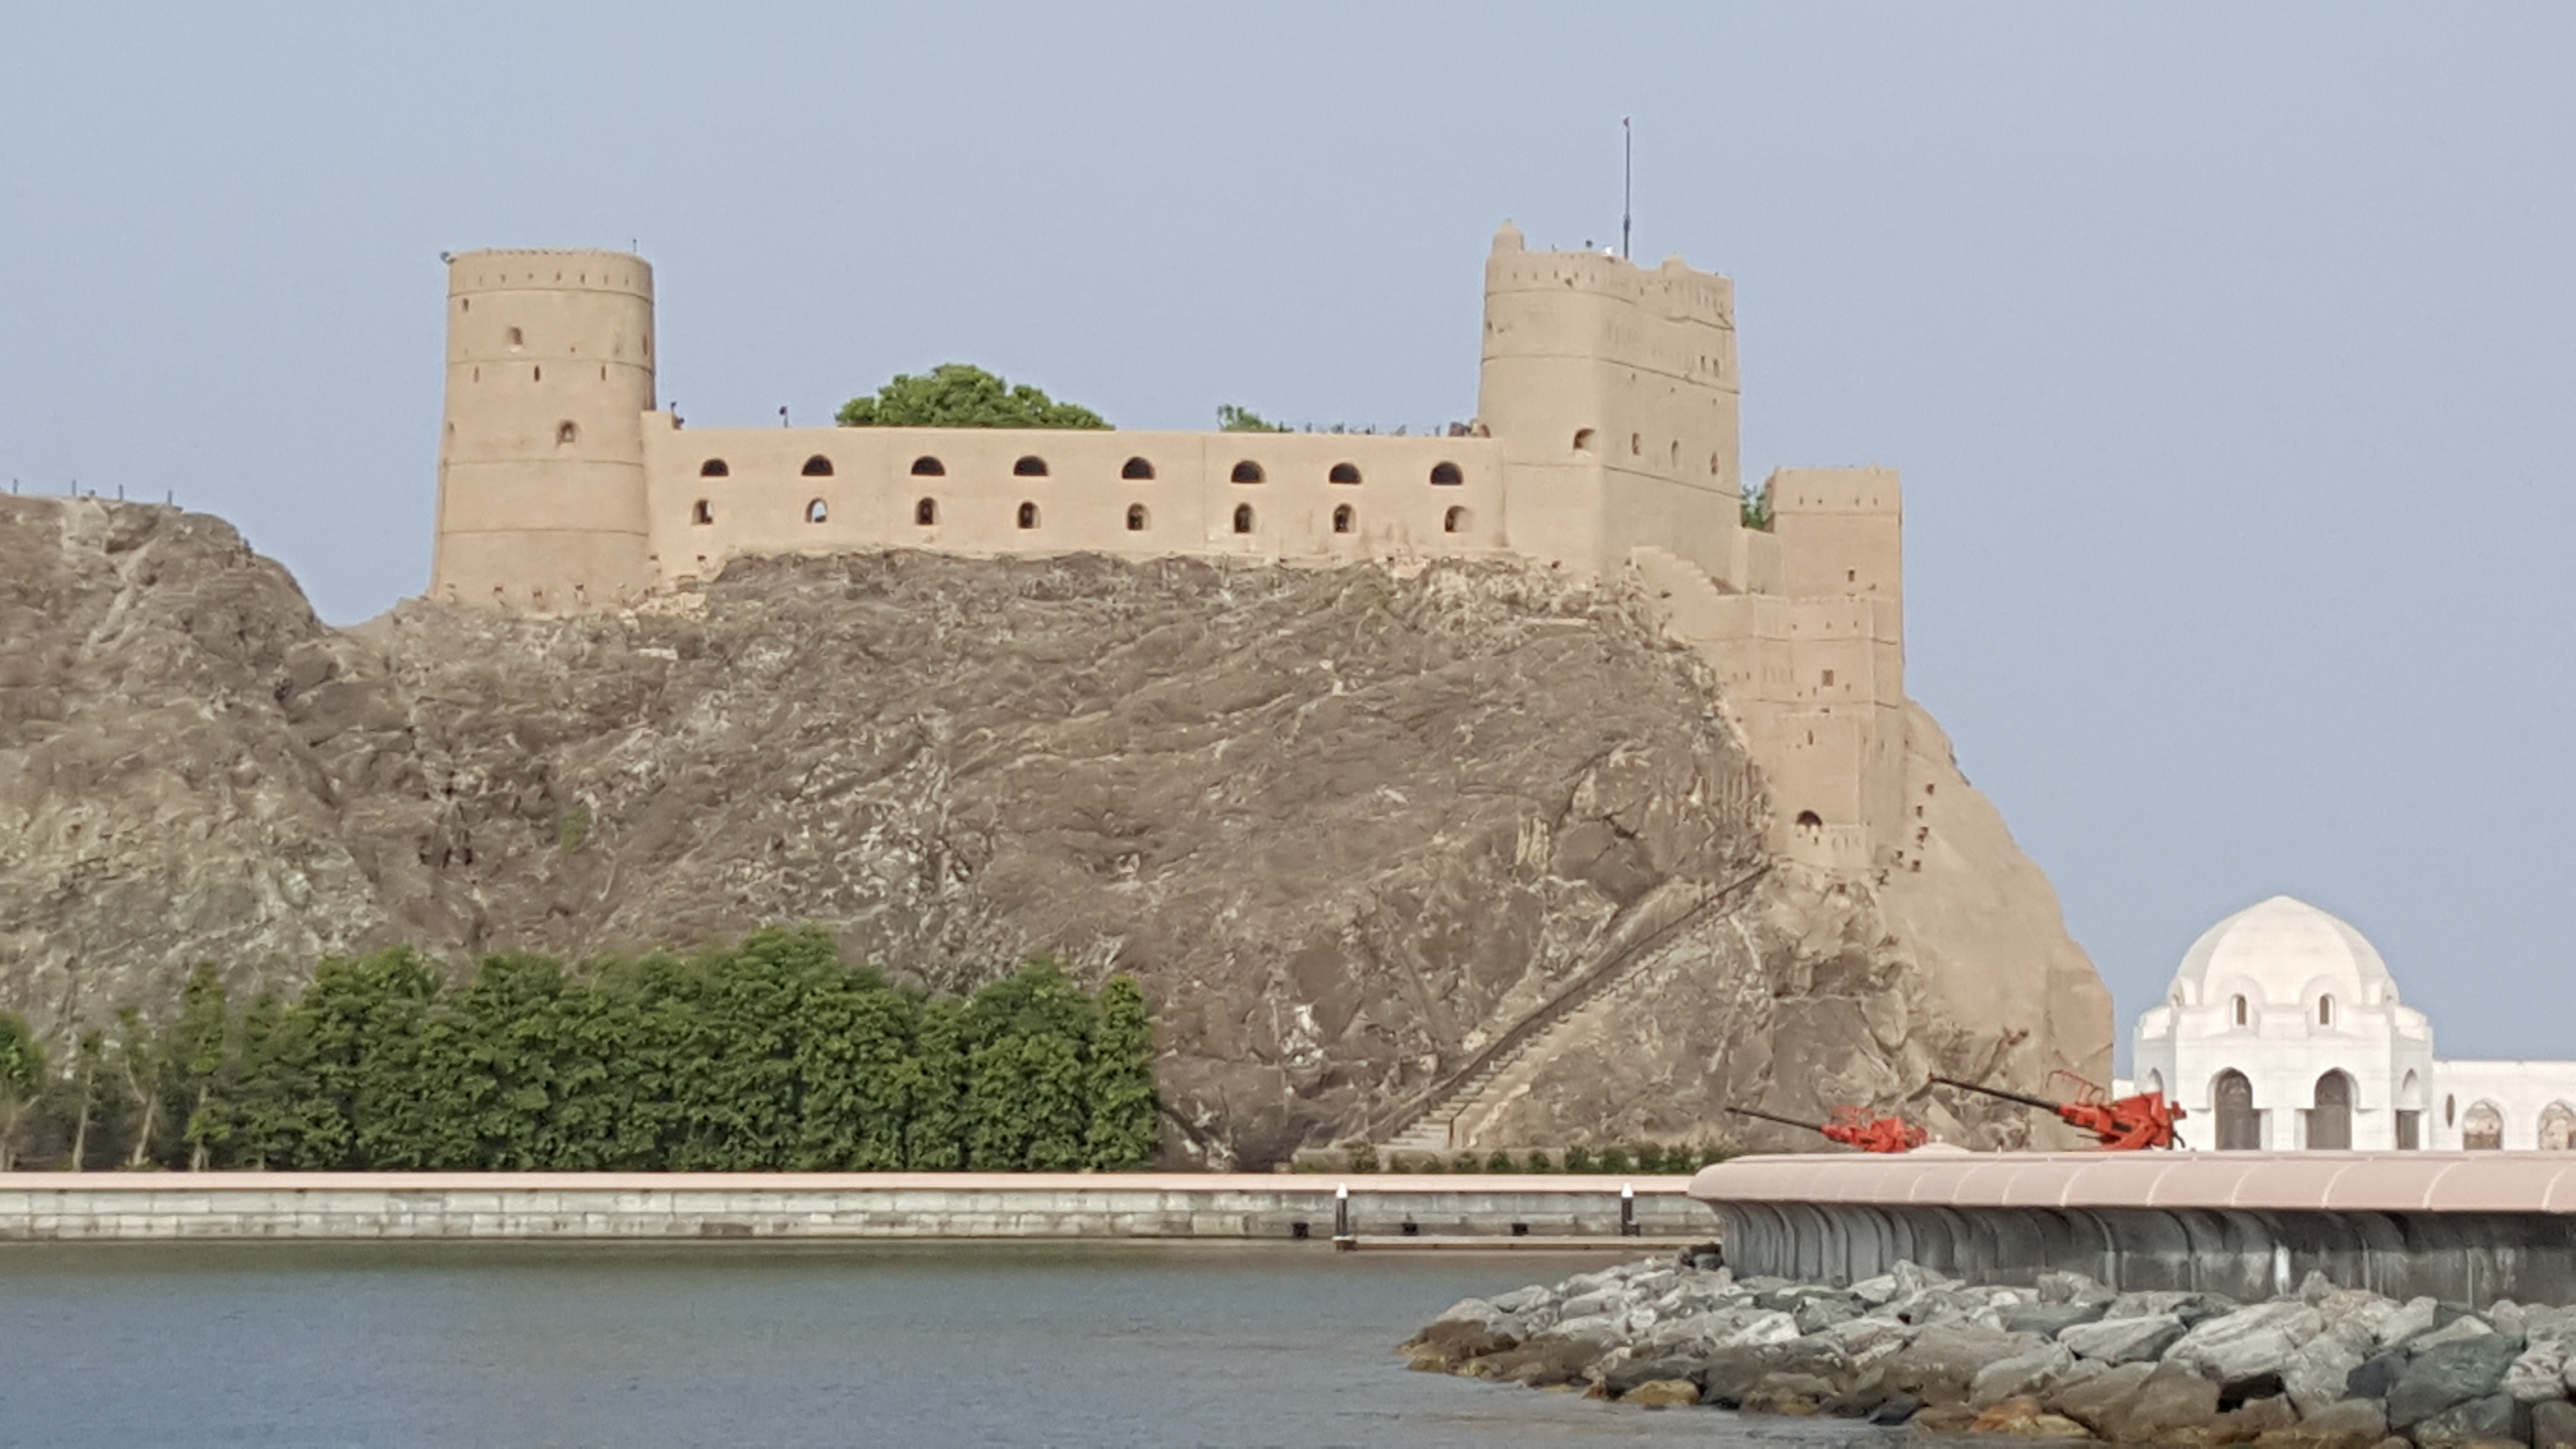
(756, 1345)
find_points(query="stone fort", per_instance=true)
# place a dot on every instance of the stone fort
(1605, 443)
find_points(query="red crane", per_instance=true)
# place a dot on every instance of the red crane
(2123, 1124)
(1853, 1127)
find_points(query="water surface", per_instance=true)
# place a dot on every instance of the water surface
(1106, 1345)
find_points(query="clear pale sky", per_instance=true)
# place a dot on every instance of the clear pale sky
(2225, 350)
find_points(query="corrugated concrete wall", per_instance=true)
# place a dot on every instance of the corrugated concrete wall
(108, 1207)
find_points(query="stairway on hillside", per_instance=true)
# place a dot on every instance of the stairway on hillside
(1538, 1036)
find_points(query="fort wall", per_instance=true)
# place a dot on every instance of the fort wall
(1607, 442)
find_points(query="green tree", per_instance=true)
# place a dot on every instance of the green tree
(89, 1059)
(22, 1082)
(1125, 1133)
(1232, 419)
(1028, 1039)
(142, 1062)
(1757, 508)
(956, 395)
(202, 1059)
(934, 1135)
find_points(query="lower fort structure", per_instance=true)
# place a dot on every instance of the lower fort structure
(1605, 443)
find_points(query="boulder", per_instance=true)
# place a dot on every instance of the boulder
(1623, 1379)
(2449, 1374)
(1817, 1314)
(2482, 1420)
(2248, 1342)
(2172, 1402)
(1519, 1300)
(2059, 1288)
(2460, 1329)
(1895, 1409)
(1727, 1375)
(1867, 1339)
(2049, 1319)
(1662, 1393)
(2124, 1340)
(1541, 1363)
(2553, 1425)
(2022, 1417)
(2019, 1376)
(2253, 1419)
(1938, 1365)
(1445, 1345)
(2350, 1424)
(2539, 1373)
(2321, 1371)
(2101, 1401)
(1787, 1393)
(1875, 1291)
(2147, 1304)
(2414, 1316)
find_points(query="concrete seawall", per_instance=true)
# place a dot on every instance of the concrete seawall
(99, 1207)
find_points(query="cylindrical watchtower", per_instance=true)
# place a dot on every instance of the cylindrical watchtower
(541, 455)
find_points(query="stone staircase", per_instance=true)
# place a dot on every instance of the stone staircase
(1434, 1123)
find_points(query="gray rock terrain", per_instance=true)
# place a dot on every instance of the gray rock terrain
(1348, 827)
(1917, 1347)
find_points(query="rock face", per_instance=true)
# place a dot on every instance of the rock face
(1922, 1349)
(1349, 827)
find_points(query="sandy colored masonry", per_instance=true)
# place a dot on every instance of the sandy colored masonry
(500, 1206)
(1605, 443)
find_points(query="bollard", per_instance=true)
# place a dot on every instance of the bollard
(1627, 1210)
(1342, 1218)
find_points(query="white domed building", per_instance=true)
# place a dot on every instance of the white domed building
(2283, 1030)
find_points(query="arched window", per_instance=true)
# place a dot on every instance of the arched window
(703, 512)
(2482, 1127)
(818, 466)
(1135, 518)
(1031, 466)
(2240, 1127)
(1343, 473)
(2325, 1011)
(2330, 1120)
(1247, 471)
(2239, 1006)
(1028, 515)
(1137, 468)
(818, 512)
(1243, 518)
(1446, 475)
(2557, 1127)
(1583, 440)
(928, 467)
(1811, 822)
(1342, 519)
(714, 468)
(1454, 521)
(567, 431)
(926, 512)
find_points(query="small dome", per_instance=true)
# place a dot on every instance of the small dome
(2280, 946)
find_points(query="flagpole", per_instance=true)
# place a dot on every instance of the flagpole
(1627, 184)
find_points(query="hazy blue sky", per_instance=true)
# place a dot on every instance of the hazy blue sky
(2226, 350)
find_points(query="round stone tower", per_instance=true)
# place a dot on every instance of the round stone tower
(541, 454)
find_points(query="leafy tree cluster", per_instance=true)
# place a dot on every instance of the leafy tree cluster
(1233, 419)
(1757, 508)
(957, 395)
(770, 1056)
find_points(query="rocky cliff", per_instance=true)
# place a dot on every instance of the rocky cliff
(1360, 832)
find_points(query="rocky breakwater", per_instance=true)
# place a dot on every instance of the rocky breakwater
(2326, 1368)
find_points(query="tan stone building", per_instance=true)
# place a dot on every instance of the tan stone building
(1606, 442)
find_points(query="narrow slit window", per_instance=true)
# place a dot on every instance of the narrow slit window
(1136, 518)
(703, 513)
(926, 512)
(1342, 519)
(1454, 521)
(1243, 518)
(818, 511)
(1028, 515)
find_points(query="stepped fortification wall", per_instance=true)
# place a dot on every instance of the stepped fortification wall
(1606, 442)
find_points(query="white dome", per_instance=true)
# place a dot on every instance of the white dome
(2280, 947)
